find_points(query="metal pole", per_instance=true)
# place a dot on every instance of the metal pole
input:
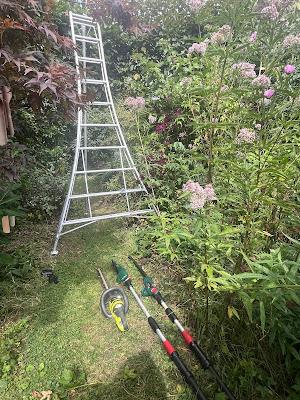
(105, 284)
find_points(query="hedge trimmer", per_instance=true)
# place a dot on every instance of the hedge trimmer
(149, 289)
(114, 304)
(122, 277)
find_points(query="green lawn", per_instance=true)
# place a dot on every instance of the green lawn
(68, 335)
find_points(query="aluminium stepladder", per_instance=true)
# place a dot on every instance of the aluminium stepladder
(100, 145)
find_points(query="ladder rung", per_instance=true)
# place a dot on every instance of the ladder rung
(88, 24)
(87, 39)
(107, 216)
(123, 191)
(99, 103)
(90, 60)
(82, 17)
(100, 147)
(93, 82)
(96, 171)
(100, 125)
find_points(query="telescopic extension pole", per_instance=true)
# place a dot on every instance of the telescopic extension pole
(174, 356)
(151, 290)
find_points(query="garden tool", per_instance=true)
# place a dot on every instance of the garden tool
(49, 274)
(149, 289)
(114, 303)
(122, 277)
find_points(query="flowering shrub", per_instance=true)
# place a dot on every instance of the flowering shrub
(236, 136)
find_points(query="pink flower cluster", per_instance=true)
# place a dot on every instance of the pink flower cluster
(195, 5)
(199, 48)
(199, 195)
(269, 93)
(270, 12)
(246, 136)
(223, 35)
(261, 81)
(245, 69)
(291, 40)
(289, 69)
(136, 102)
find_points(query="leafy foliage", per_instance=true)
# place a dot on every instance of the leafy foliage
(240, 250)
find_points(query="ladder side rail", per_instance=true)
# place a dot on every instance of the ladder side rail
(75, 164)
(135, 171)
(80, 91)
(105, 75)
(124, 179)
(77, 65)
(128, 155)
(66, 206)
(86, 181)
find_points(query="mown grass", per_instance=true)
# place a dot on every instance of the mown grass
(67, 332)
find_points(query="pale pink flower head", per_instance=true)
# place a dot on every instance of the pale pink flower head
(224, 34)
(258, 127)
(129, 101)
(199, 195)
(261, 81)
(291, 40)
(152, 119)
(289, 69)
(245, 69)
(267, 102)
(135, 102)
(270, 12)
(197, 200)
(196, 5)
(192, 187)
(246, 136)
(210, 192)
(269, 93)
(198, 48)
(253, 37)
(140, 102)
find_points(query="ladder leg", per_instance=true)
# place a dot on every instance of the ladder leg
(124, 180)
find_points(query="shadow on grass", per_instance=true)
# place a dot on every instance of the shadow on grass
(138, 378)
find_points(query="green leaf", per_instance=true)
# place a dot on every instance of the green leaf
(66, 377)
(29, 368)
(41, 366)
(262, 315)
(294, 352)
(247, 302)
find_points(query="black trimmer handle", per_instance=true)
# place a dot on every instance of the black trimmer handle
(205, 363)
(187, 375)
